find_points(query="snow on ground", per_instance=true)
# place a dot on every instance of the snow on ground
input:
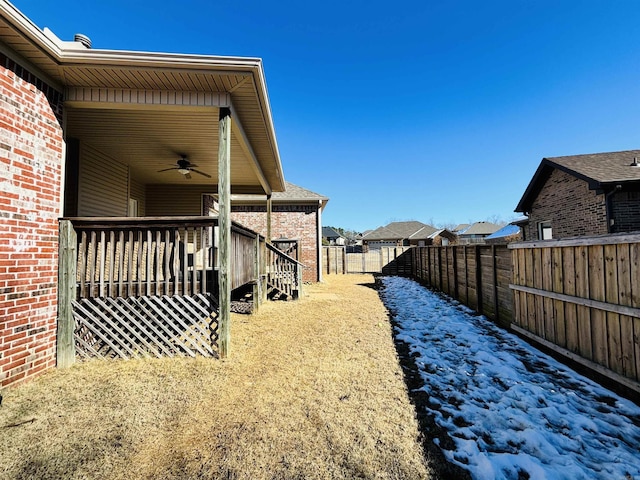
(511, 410)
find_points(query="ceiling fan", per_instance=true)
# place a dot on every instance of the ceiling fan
(185, 167)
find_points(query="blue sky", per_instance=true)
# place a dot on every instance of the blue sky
(438, 111)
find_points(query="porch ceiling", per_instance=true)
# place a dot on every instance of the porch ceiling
(150, 140)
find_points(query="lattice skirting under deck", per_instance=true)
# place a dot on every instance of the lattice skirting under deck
(157, 326)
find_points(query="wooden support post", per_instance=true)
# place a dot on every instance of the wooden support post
(224, 199)
(67, 258)
(269, 208)
(257, 298)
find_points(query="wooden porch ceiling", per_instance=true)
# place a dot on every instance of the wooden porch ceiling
(152, 140)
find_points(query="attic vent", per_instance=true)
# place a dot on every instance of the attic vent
(83, 39)
(635, 162)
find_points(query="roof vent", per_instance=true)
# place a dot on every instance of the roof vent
(635, 162)
(83, 39)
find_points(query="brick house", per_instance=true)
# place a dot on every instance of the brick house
(580, 195)
(296, 214)
(397, 234)
(127, 117)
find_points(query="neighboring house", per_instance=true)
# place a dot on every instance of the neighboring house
(296, 214)
(92, 133)
(581, 195)
(331, 237)
(476, 232)
(398, 234)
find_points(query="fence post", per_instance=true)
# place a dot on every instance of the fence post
(454, 255)
(495, 284)
(478, 280)
(67, 254)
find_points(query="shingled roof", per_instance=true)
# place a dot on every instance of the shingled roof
(599, 170)
(400, 231)
(480, 228)
(292, 194)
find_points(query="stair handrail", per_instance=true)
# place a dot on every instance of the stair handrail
(298, 269)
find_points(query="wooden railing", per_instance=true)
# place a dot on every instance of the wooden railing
(146, 286)
(128, 257)
(284, 273)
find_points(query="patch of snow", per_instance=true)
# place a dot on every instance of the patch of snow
(510, 410)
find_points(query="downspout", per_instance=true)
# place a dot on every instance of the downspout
(608, 208)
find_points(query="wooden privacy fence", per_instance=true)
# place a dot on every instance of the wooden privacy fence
(581, 298)
(388, 260)
(476, 275)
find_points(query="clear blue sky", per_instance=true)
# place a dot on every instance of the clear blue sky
(438, 111)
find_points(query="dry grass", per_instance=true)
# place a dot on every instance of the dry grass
(312, 390)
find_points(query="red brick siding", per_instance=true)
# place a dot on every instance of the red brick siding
(570, 206)
(30, 177)
(287, 221)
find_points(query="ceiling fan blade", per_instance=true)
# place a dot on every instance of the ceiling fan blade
(201, 173)
(167, 169)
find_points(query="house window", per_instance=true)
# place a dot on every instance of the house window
(545, 232)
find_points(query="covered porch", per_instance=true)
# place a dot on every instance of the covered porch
(147, 262)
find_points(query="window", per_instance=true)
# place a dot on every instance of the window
(545, 232)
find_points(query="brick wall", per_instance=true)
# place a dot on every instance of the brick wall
(287, 221)
(570, 206)
(625, 210)
(30, 182)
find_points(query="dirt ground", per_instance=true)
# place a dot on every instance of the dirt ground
(313, 389)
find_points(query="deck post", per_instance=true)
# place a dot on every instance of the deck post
(67, 256)
(269, 207)
(224, 199)
(257, 286)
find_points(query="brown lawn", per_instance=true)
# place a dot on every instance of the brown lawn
(313, 390)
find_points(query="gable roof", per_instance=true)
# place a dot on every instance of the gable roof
(400, 231)
(329, 232)
(294, 194)
(597, 169)
(480, 228)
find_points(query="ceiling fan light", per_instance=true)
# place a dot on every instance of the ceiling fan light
(183, 171)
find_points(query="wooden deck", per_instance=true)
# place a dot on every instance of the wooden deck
(149, 286)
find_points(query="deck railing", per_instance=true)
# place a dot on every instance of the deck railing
(145, 286)
(284, 273)
(129, 257)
